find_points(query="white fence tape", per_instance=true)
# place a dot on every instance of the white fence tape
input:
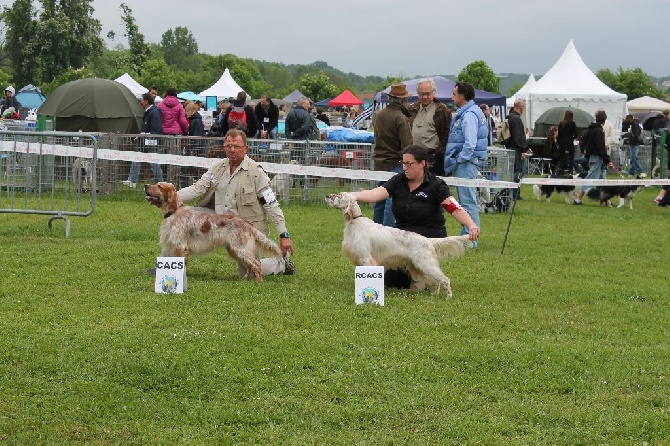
(206, 163)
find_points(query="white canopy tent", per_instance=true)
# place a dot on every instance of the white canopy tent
(646, 104)
(571, 83)
(135, 87)
(224, 88)
(522, 93)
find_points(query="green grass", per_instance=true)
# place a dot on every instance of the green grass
(561, 340)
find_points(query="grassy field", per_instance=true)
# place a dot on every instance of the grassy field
(563, 339)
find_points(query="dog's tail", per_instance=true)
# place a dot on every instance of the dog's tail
(537, 191)
(453, 246)
(265, 244)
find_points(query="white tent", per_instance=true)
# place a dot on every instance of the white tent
(135, 87)
(224, 88)
(646, 104)
(523, 91)
(571, 83)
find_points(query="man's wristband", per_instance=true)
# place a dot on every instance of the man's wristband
(284, 235)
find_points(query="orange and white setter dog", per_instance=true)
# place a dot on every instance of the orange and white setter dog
(187, 231)
(368, 243)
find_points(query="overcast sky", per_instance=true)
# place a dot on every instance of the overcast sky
(405, 38)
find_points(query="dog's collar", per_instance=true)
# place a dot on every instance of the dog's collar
(169, 214)
(358, 216)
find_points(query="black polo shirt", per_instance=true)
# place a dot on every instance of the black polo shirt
(419, 211)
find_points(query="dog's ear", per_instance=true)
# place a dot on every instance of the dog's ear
(350, 205)
(170, 197)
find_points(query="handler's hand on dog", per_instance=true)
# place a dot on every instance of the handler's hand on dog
(473, 232)
(286, 246)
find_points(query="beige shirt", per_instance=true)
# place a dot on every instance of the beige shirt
(226, 198)
(423, 128)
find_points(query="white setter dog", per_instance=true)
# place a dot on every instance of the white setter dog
(188, 231)
(368, 243)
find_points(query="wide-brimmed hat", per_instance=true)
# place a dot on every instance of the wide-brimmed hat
(399, 91)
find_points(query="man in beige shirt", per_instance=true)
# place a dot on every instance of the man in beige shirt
(430, 121)
(240, 186)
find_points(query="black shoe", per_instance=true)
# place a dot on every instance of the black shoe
(289, 267)
(150, 272)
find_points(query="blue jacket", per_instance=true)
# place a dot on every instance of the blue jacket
(467, 138)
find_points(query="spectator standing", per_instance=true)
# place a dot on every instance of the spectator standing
(490, 123)
(596, 151)
(152, 123)
(173, 114)
(267, 115)
(466, 147)
(634, 142)
(9, 101)
(518, 143)
(430, 120)
(240, 116)
(567, 134)
(391, 135)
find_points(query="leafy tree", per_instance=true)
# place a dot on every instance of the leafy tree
(19, 36)
(139, 50)
(479, 75)
(157, 73)
(633, 83)
(317, 87)
(66, 35)
(179, 47)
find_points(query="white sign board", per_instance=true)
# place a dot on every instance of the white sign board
(369, 285)
(170, 275)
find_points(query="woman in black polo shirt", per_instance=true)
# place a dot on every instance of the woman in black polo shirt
(419, 201)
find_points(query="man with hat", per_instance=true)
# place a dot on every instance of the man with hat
(9, 100)
(392, 134)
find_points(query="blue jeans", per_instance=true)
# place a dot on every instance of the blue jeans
(595, 166)
(381, 211)
(467, 196)
(134, 174)
(635, 166)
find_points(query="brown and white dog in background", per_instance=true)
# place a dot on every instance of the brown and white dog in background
(186, 231)
(368, 243)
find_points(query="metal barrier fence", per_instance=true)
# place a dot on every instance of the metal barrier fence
(48, 173)
(300, 170)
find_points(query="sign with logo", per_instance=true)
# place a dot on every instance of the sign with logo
(170, 275)
(369, 285)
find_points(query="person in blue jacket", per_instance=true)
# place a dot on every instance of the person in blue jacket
(466, 147)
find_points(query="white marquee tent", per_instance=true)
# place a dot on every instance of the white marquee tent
(571, 83)
(224, 88)
(646, 104)
(522, 93)
(135, 87)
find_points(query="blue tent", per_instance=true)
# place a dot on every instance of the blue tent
(445, 88)
(30, 96)
(325, 102)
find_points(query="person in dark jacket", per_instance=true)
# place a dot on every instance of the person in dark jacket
(298, 120)
(392, 134)
(194, 146)
(518, 143)
(152, 123)
(634, 137)
(267, 114)
(249, 113)
(9, 101)
(322, 116)
(596, 152)
(567, 134)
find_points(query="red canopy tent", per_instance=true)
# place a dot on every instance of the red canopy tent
(345, 98)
